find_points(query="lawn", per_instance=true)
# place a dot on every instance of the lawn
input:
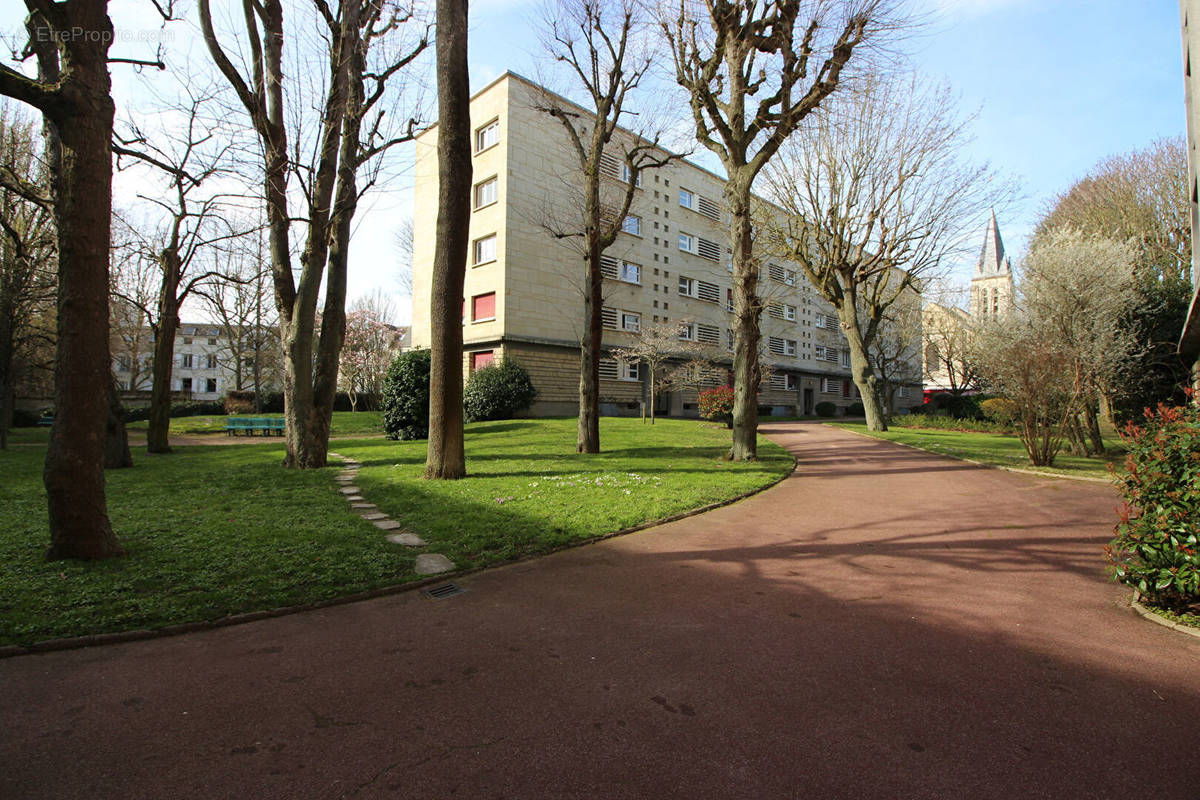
(214, 531)
(345, 423)
(997, 449)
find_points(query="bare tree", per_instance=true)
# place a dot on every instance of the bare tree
(948, 344)
(753, 72)
(366, 51)
(877, 195)
(668, 356)
(27, 258)
(599, 43)
(896, 352)
(404, 253)
(70, 44)
(446, 457)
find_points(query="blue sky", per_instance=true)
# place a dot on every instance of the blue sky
(1059, 85)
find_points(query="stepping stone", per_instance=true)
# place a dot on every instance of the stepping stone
(362, 506)
(386, 524)
(350, 490)
(345, 478)
(432, 564)
(406, 539)
(332, 454)
(351, 464)
(374, 516)
(355, 497)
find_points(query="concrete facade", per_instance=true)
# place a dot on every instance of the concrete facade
(1189, 341)
(523, 291)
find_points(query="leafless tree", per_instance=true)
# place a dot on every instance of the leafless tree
(948, 344)
(753, 71)
(896, 352)
(877, 196)
(446, 457)
(668, 358)
(404, 253)
(601, 44)
(69, 42)
(366, 56)
(27, 259)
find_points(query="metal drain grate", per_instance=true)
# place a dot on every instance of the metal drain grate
(445, 590)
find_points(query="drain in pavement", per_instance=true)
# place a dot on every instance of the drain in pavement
(444, 590)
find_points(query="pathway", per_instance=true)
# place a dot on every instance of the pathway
(884, 623)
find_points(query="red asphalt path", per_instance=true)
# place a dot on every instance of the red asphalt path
(883, 624)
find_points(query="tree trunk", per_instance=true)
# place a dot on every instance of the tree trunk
(861, 371)
(746, 308)
(7, 392)
(159, 427)
(587, 437)
(116, 438)
(1091, 421)
(82, 168)
(446, 457)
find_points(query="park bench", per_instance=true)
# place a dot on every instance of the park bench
(267, 426)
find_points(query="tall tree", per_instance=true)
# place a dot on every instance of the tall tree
(753, 70)
(446, 457)
(877, 196)
(27, 257)
(598, 42)
(366, 51)
(73, 92)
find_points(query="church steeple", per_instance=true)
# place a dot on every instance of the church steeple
(992, 258)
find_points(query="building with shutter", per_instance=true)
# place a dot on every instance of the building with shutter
(671, 264)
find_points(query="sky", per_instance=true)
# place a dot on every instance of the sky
(1058, 86)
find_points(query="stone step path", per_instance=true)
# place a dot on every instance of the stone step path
(427, 563)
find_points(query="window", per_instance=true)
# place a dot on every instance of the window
(211, 362)
(687, 331)
(789, 347)
(187, 340)
(485, 249)
(185, 361)
(612, 370)
(210, 385)
(687, 199)
(626, 172)
(608, 369)
(708, 292)
(845, 358)
(819, 353)
(729, 339)
(903, 392)
(483, 307)
(831, 386)
(123, 363)
(631, 322)
(212, 341)
(789, 312)
(775, 310)
(708, 249)
(708, 208)
(825, 321)
(487, 136)
(608, 317)
(687, 286)
(832, 355)
(709, 334)
(485, 192)
(790, 383)
(687, 243)
(729, 300)
(631, 273)
(629, 372)
(778, 382)
(185, 384)
(775, 345)
(632, 224)
(482, 359)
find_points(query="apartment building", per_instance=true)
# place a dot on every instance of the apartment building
(671, 264)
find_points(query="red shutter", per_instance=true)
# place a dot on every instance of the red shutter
(845, 388)
(483, 306)
(482, 359)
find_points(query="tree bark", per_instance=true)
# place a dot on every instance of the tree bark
(82, 171)
(587, 437)
(159, 426)
(861, 371)
(747, 372)
(446, 457)
(116, 438)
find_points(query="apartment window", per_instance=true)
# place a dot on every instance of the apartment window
(687, 286)
(212, 341)
(729, 339)
(687, 199)
(790, 383)
(482, 359)
(708, 334)
(612, 370)
(832, 355)
(123, 363)
(824, 321)
(631, 273)
(629, 371)
(775, 345)
(789, 347)
(485, 192)
(487, 136)
(185, 384)
(819, 353)
(845, 358)
(210, 385)
(483, 307)
(789, 312)
(729, 300)
(632, 224)
(485, 249)
(185, 361)
(631, 322)
(187, 340)
(903, 392)
(687, 332)
(626, 172)
(211, 362)
(831, 386)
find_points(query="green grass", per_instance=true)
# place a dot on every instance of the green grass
(996, 449)
(213, 531)
(345, 423)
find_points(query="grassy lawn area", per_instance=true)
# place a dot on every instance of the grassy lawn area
(213, 531)
(997, 449)
(345, 423)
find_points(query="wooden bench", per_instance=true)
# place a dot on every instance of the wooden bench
(267, 426)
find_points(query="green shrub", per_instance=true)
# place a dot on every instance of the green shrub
(962, 406)
(855, 410)
(498, 391)
(943, 422)
(406, 396)
(717, 405)
(826, 409)
(1157, 547)
(239, 401)
(999, 409)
